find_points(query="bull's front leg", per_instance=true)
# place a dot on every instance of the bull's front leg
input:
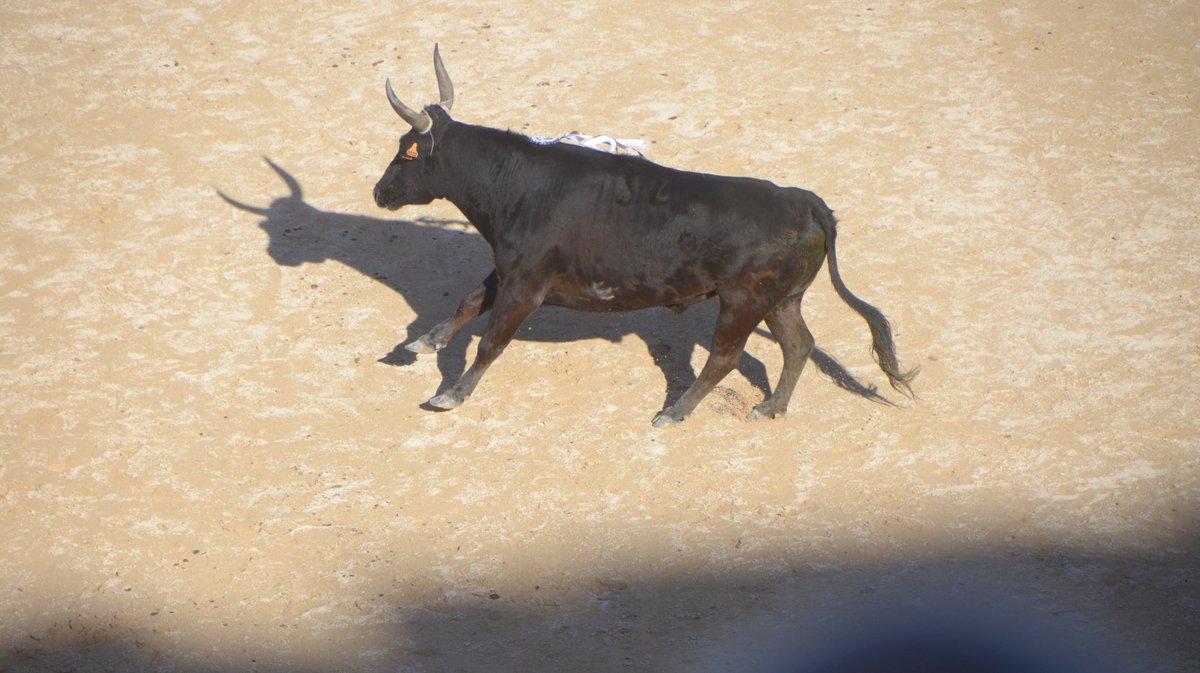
(511, 307)
(475, 304)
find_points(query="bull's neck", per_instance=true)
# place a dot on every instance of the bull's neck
(474, 162)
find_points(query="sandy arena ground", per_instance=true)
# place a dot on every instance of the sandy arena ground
(214, 456)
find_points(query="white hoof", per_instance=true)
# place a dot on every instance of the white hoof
(421, 346)
(445, 401)
(662, 420)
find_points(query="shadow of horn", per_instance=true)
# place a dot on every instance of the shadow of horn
(288, 179)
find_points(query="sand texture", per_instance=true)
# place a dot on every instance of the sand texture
(213, 455)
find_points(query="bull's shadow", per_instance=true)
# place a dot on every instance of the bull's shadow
(433, 263)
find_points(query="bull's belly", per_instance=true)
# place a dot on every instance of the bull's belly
(598, 296)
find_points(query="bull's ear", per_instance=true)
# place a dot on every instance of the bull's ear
(445, 86)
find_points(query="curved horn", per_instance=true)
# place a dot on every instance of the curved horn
(445, 86)
(420, 121)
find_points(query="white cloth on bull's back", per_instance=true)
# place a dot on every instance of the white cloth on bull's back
(601, 143)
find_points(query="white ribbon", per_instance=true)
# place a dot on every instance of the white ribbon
(601, 143)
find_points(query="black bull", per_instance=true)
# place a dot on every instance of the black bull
(586, 230)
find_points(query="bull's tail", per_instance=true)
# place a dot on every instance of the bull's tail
(882, 345)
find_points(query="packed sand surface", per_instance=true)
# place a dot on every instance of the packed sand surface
(214, 451)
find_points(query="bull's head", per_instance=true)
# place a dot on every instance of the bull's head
(407, 179)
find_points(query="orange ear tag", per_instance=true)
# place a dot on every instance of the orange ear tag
(411, 152)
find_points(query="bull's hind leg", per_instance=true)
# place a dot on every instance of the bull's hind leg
(735, 322)
(786, 323)
(478, 302)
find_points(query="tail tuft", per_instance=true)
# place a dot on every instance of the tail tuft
(883, 346)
